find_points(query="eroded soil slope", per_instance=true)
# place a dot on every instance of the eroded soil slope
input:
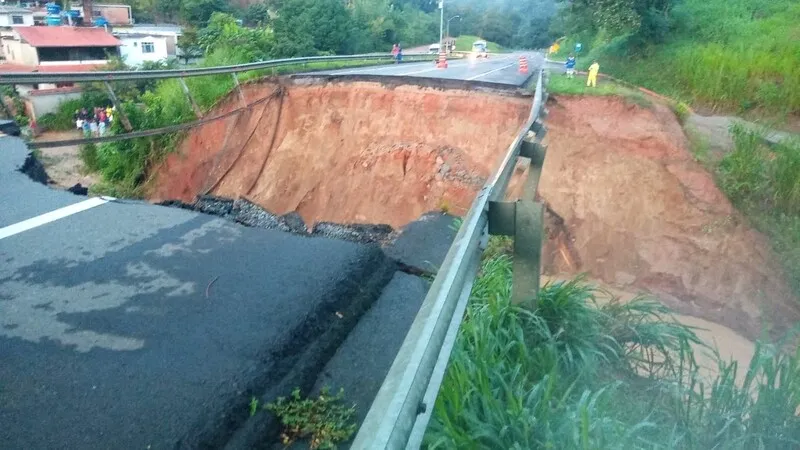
(361, 152)
(639, 212)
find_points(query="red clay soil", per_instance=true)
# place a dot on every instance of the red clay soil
(356, 152)
(639, 212)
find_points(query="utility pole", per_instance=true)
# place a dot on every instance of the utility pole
(441, 25)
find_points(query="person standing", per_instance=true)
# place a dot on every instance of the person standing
(593, 70)
(399, 54)
(570, 66)
(395, 51)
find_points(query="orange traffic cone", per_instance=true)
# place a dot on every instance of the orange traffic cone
(442, 61)
(523, 65)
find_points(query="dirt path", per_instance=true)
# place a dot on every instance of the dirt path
(63, 164)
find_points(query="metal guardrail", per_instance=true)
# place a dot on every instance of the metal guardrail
(403, 407)
(77, 77)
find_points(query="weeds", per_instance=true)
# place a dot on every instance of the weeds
(575, 374)
(560, 84)
(764, 183)
(324, 420)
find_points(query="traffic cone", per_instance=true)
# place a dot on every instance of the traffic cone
(442, 61)
(523, 65)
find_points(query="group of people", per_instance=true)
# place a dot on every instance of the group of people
(591, 80)
(95, 123)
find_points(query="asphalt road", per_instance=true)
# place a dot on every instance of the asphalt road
(498, 68)
(128, 325)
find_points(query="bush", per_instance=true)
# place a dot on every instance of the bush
(575, 374)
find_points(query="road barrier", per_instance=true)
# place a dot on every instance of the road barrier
(403, 407)
(523, 64)
(441, 63)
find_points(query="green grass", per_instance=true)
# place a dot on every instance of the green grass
(576, 374)
(736, 56)
(464, 44)
(764, 183)
(561, 85)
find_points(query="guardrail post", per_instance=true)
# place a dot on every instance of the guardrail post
(239, 89)
(195, 108)
(118, 106)
(524, 219)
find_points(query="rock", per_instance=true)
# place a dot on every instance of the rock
(79, 190)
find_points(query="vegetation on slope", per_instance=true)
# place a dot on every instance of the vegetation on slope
(764, 183)
(729, 55)
(576, 374)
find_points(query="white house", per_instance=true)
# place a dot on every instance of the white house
(169, 32)
(138, 48)
(13, 16)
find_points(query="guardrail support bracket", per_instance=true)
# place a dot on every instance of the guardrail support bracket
(239, 89)
(534, 150)
(195, 108)
(539, 128)
(118, 106)
(523, 219)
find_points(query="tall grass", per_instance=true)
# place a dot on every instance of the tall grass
(575, 374)
(731, 55)
(764, 183)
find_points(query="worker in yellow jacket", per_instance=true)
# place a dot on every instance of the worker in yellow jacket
(593, 69)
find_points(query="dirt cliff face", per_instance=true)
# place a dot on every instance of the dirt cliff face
(348, 152)
(639, 212)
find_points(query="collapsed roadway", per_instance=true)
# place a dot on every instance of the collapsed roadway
(125, 324)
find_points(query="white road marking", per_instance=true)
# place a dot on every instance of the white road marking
(52, 216)
(491, 71)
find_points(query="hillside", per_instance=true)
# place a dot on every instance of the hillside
(739, 56)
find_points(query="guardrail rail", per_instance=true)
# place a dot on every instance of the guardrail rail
(402, 409)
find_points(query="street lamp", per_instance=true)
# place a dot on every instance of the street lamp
(441, 24)
(448, 23)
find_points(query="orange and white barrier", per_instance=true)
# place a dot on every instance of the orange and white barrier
(523, 64)
(442, 63)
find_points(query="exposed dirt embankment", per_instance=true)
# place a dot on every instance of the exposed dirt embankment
(360, 152)
(639, 212)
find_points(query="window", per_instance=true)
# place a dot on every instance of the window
(17, 20)
(148, 47)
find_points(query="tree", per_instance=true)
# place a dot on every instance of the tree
(189, 44)
(197, 12)
(257, 14)
(305, 27)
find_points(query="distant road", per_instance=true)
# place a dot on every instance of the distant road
(498, 68)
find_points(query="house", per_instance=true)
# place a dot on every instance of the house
(13, 16)
(115, 14)
(138, 48)
(60, 46)
(169, 32)
(55, 49)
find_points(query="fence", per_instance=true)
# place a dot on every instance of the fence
(402, 409)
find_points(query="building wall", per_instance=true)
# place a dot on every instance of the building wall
(43, 103)
(115, 14)
(7, 21)
(18, 52)
(132, 49)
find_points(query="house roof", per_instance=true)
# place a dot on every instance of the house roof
(66, 37)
